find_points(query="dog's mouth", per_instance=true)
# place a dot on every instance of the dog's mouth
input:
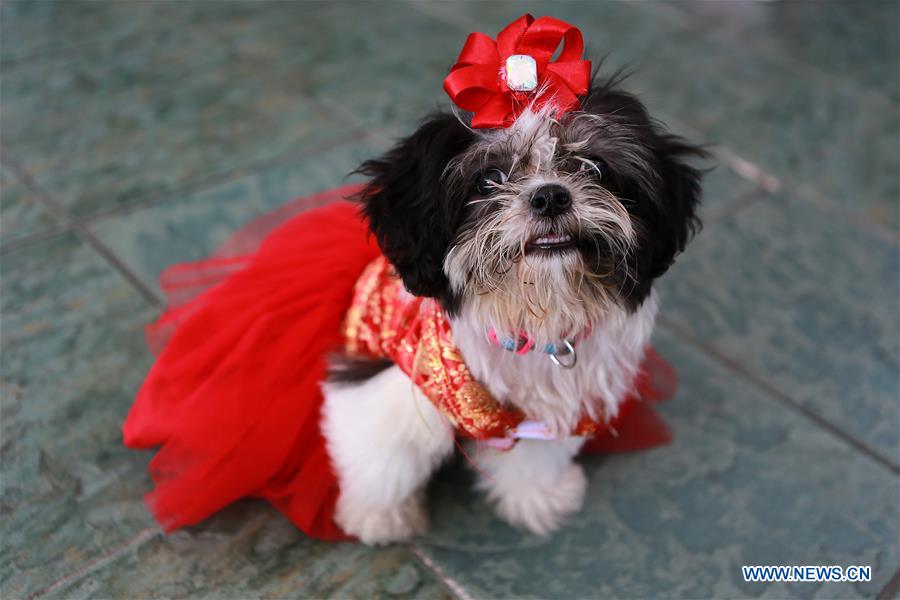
(551, 243)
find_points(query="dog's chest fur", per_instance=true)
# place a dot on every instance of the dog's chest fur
(608, 361)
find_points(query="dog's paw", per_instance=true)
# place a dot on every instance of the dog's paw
(375, 526)
(543, 508)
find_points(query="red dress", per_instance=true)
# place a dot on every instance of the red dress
(233, 400)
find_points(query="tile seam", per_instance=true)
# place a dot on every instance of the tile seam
(36, 237)
(43, 198)
(94, 565)
(199, 184)
(779, 396)
(891, 589)
(451, 584)
(771, 184)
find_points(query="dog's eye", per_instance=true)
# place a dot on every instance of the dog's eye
(488, 181)
(595, 166)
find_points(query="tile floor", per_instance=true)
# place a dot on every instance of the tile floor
(134, 135)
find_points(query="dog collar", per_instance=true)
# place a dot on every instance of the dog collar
(562, 354)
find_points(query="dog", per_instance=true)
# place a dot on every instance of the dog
(556, 226)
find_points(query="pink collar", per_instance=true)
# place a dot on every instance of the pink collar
(532, 430)
(525, 344)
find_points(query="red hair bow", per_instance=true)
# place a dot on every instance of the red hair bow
(480, 81)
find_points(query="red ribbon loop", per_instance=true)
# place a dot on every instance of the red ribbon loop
(477, 81)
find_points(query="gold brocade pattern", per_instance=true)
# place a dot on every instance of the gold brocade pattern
(386, 321)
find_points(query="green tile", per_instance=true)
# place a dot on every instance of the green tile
(345, 56)
(806, 301)
(330, 24)
(811, 133)
(30, 29)
(73, 355)
(249, 551)
(864, 175)
(745, 482)
(20, 213)
(373, 63)
(856, 42)
(191, 227)
(722, 187)
(105, 125)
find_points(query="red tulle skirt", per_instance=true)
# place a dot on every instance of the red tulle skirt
(233, 401)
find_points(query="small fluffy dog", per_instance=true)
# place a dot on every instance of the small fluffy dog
(552, 226)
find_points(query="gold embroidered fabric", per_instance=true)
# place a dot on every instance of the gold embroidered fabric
(386, 321)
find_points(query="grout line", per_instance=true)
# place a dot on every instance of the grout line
(191, 186)
(208, 181)
(451, 584)
(891, 589)
(826, 204)
(802, 192)
(779, 396)
(798, 191)
(64, 49)
(749, 171)
(54, 231)
(57, 210)
(725, 154)
(719, 210)
(135, 542)
(140, 202)
(357, 132)
(735, 205)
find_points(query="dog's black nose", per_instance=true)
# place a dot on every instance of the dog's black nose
(550, 200)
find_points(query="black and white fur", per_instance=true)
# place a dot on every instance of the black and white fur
(548, 227)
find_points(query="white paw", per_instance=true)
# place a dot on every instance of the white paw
(542, 508)
(382, 525)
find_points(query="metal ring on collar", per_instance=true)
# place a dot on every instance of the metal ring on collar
(570, 351)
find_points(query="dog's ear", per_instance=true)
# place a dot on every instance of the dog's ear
(677, 220)
(411, 211)
(666, 211)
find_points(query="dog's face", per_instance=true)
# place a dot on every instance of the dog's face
(549, 226)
